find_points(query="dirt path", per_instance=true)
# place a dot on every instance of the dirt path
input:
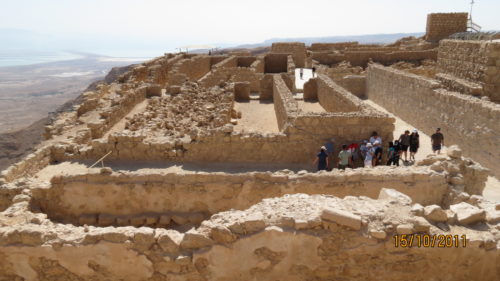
(492, 189)
(256, 115)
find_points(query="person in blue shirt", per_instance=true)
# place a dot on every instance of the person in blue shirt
(322, 159)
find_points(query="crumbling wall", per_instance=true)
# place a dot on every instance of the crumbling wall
(464, 120)
(468, 65)
(442, 25)
(296, 49)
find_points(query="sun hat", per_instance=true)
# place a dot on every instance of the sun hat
(415, 130)
(368, 145)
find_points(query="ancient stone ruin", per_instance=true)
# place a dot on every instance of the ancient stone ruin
(198, 167)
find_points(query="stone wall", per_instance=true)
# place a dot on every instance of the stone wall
(29, 165)
(276, 63)
(331, 46)
(469, 65)
(285, 106)
(442, 25)
(294, 237)
(296, 49)
(334, 98)
(129, 194)
(246, 61)
(194, 68)
(464, 120)
(356, 84)
(361, 58)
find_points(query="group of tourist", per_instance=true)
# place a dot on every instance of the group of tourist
(371, 151)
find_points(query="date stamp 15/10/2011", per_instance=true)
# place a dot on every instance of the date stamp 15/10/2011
(430, 241)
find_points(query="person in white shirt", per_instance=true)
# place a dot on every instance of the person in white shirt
(375, 137)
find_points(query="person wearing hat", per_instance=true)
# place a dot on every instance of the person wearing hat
(322, 159)
(369, 155)
(437, 140)
(414, 144)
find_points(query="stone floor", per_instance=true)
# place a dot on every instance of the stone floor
(256, 115)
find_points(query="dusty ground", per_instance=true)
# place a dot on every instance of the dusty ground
(81, 167)
(492, 189)
(256, 115)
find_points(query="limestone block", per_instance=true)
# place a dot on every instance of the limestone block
(421, 225)
(164, 220)
(392, 194)
(342, 217)
(435, 213)
(405, 229)
(151, 220)
(169, 240)
(417, 210)
(468, 214)
(493, 217)
(378, 234)
(454, 152)
(137, 221)
(221, 234)
(253, 223)
(105, 220)
(144, 238)
(195, 240)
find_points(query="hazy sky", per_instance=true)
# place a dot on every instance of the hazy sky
(233, 21)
